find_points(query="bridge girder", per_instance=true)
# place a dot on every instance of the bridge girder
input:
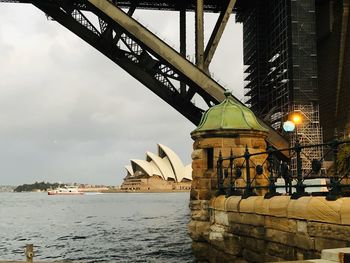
(142, 54)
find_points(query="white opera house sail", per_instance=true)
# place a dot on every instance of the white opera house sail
(159, 172)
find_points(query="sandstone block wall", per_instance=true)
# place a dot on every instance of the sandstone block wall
(204, 180)
(266, 230)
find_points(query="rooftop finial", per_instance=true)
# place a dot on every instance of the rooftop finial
(228, 93)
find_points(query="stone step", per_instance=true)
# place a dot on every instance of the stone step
(333, 254)
(320, 261)
(309, 261)
(329, 256)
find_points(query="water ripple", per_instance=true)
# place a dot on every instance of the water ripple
(97, 228)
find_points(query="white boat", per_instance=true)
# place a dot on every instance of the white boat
(67, 190)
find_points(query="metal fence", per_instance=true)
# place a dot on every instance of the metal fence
(233, 170)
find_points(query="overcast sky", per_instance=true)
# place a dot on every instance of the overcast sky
(69, 114)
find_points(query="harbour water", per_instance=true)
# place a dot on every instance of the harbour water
(118, 227)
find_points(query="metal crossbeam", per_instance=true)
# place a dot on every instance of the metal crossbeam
(217, 33)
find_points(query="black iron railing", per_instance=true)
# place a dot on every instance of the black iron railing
(233, 170)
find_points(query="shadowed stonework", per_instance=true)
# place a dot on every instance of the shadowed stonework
(254, 229)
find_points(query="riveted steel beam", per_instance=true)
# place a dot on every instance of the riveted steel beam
(183, 42)
(199, 34)
(342, 48)
(162, 50)
(217, 33)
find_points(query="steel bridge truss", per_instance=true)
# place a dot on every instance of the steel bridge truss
(163, 70)
(124, 49)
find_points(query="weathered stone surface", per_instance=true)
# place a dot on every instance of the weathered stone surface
(195, 183)
(199, 204)
(204, 194)
(262, 206)
(204, 183)
(212, 202)
(252, 256)
(205, 204)
(278, 206)
(200, 215)
(302, 254)
(302, 226)
(211, 143)
(230, 232)
(304, 242)
(201, 251)
(253, 219)
(324, 230)
(278, 236)
(194, 194)
(319, 209)
(210, 174)
(335, 254)
(248, 205)
(219, 203)
(248, 219)
(234, 217)
(197, 164)
(197, 174)
(197, 154)
(283, 224)
(259, 144)
(273, 258)
(298, 208)
(216, 233)
(199, 231)
(345, 211)
(323, 243)
(285, 252)
(232, 203)
(254, 244)
(195, 205)
(227, 243)
(232, 245)
(221, 217)
(217, 256)
(247, 230)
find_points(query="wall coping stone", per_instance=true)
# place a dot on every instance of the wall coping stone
(232, 203)
(310, 208)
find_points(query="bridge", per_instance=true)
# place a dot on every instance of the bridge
(146, 57)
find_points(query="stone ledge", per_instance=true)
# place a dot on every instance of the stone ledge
(328, 256)
(314, 208)
(333, 254)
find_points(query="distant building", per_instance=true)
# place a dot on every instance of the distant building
(162, 172)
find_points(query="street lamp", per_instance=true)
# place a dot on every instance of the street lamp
(288, 126)
(292, 126)
(296, 118)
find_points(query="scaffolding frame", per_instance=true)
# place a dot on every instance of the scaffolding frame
(308, 132)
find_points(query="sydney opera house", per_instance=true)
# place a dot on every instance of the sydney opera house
(159, 172)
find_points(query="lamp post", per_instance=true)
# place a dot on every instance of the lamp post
(289, 127)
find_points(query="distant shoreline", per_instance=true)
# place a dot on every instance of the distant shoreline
(111, 191)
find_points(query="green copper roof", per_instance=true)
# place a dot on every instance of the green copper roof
(229, 115)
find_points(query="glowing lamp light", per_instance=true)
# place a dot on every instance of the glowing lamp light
(296, 119)
(288, 126)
